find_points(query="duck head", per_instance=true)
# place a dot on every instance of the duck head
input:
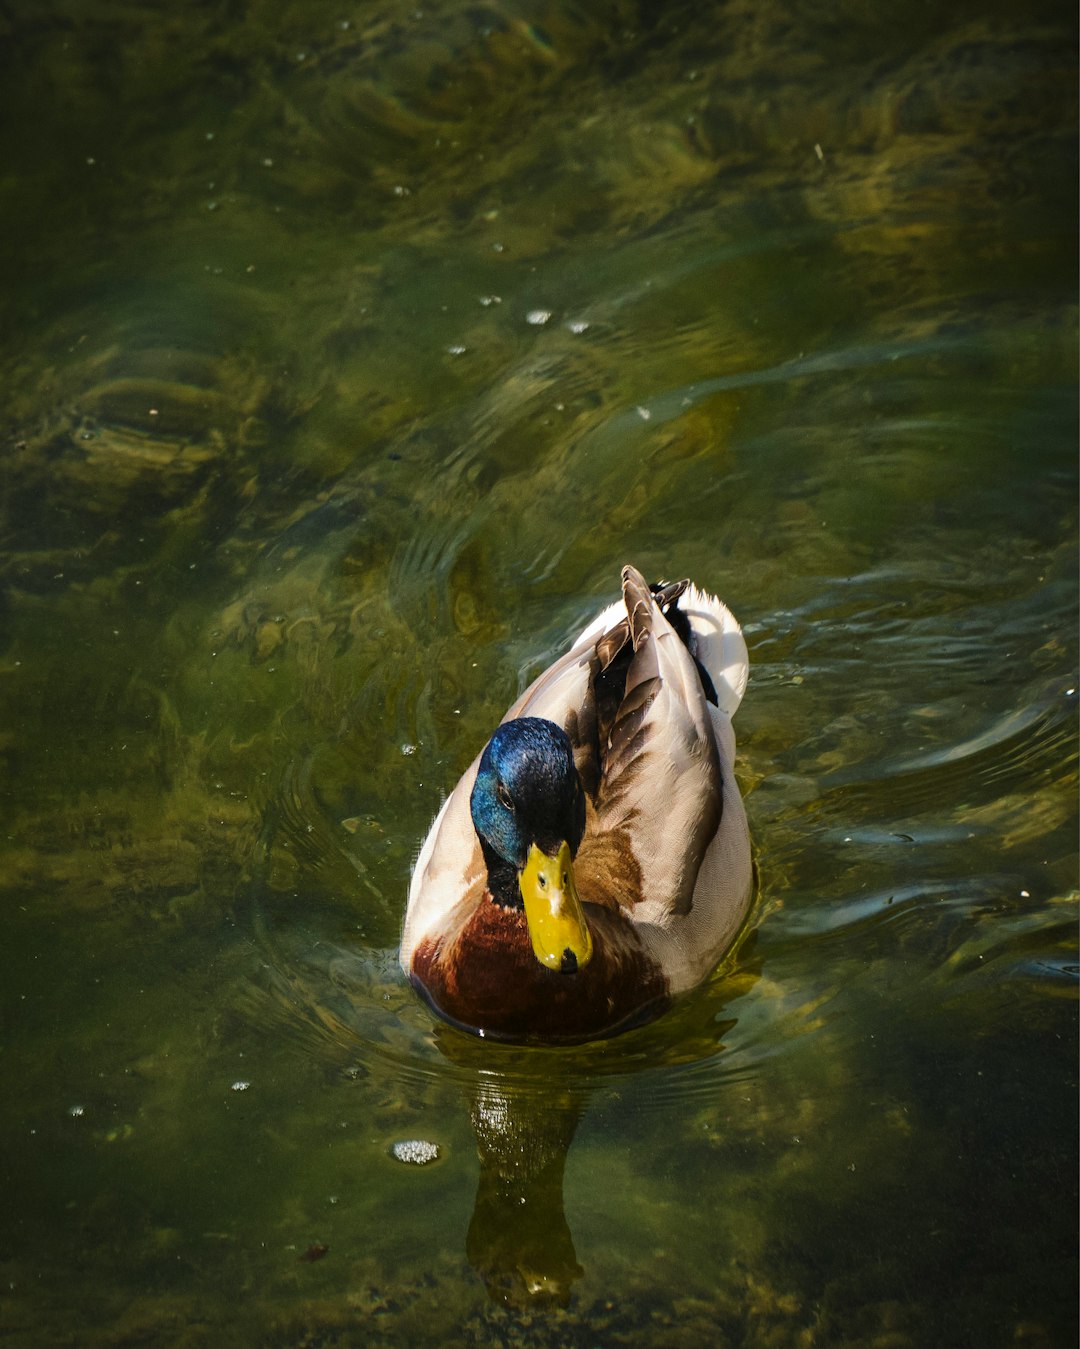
(528, 809)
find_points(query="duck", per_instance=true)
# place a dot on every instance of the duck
(593, 863)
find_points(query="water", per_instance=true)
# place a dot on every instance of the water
(348, 355)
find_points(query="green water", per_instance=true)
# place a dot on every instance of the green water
(348, 352)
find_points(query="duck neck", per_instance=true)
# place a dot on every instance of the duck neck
(502, 878)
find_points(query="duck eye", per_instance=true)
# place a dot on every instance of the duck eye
(504, 798)
(541, 881)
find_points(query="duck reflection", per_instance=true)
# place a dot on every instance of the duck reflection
(524, 1116)
(519, 1241)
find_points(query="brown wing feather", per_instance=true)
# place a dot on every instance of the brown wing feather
(666, 592)
(639, 601)
(675, 745)
(642, 679)
(612, 642)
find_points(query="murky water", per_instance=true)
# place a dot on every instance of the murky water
(348, 353)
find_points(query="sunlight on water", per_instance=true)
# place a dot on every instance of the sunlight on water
(349, 355)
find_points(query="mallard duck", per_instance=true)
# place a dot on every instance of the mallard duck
(594, 860)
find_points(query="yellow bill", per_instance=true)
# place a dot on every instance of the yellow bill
(557, 927)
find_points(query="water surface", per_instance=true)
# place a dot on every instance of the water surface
(348, 354)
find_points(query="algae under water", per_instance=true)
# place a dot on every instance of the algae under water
(348, 353)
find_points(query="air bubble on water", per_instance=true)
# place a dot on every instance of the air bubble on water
(76, 1111)
(240, 1085)
(456, 349)
(407, 749)
(415, 1151)
(578, 325)
(538, 317)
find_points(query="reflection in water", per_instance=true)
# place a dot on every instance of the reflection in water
(519, 1241)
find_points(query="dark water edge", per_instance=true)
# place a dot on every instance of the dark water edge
(348, 354)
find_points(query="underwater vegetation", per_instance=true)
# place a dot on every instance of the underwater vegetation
(347, 355)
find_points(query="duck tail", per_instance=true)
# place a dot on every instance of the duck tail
(717, 644)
